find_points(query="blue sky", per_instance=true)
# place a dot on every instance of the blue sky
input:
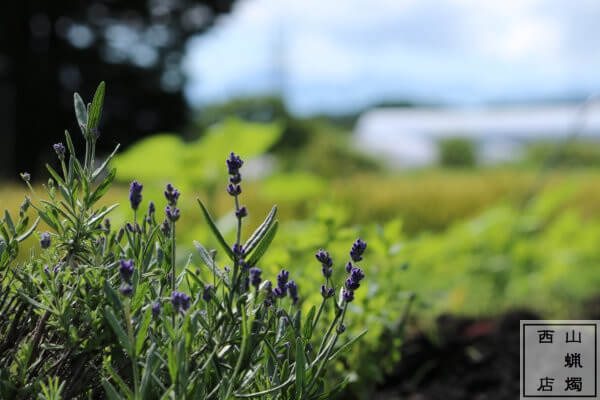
(340, 56)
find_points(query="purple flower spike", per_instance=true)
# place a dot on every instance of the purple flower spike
(238, 250)
(126, 290)
(242, 212)
(156, 309)
(293, 288)
(358, 248)
(172, 213)
(255, 277)
(206, 296)
(326, 292)
(348, 295)
(180, 301)
(327, 272)
(59, 148)
(234, 163)
(352, 284)
(126, 270)
(324, 258)
(172, 195)
(151, 208)
(165, 227)
(349, 266)
(45, 241)
(234, 190)
(135, 194)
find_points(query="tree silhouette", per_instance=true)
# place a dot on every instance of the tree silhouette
(49, 49)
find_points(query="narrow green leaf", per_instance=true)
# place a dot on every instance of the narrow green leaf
(96, 109)
(100, 216)
(309, 323)
(215, 231)
(263, 245)
(80, 112)
(112, 295)
(101, 168)
(9, 222)
(207, 258)
(118, 329)
(300, 367)
(33, 302)
(103, 187)
(55, 175)
(110, 390)
(30, 231)
(347, 345)
(142, 333)
(260, 232)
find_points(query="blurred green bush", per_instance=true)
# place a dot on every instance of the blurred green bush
(457, 152)
(580, 153)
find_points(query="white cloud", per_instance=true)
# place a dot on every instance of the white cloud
(339, 55)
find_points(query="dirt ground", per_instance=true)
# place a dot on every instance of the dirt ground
(474, 359)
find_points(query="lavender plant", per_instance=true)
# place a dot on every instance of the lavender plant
(107, 313)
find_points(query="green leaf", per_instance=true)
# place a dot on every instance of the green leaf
(30, 231)
(263, 245)
(112, 295)
(142, 333)
(215, 231)
(100, 216)
(55, 175)
(260, 232)
(96, 109)
(347, 345)
(80, 112)
(119, 331)
(70, 146)
(300, 367)
(33, 302)
(148, 369)
(9, 222)
(309, 323)
(110, 390)
(103, 187)
(207, 258)
(101, 168)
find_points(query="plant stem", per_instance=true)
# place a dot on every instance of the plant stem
(173, 262)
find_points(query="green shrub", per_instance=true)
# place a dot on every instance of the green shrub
(457, 152)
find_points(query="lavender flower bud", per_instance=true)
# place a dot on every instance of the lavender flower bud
(172, 195)
(107, 225)
(327, 272)
(234, 163)
(126, 270)
(26, 176)
(324, 258)
(126, 290)
(234, 190)
(349, 266)
(151, 208)
(348, 295)
(236, 178)
(282, 279)
(156, 309)
(24, 207)
(326, 292)
(46, 270)
(130, 227)
(287, 345)
(242, 212)
(59, 148)
(357, 274)
(135, 194)
(255, 277)
(45, 241)
(165, 227)
(180, 301)
(55, 269)
(358, 248)
(352, 284)
(120, 234)
(238, 250)
(293, 288)
(213, 253)
(172, 213)
(280, 292)
(206, 296)
(341, 328)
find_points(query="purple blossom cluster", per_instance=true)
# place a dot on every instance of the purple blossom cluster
(356, 274)
(180, 301)
(171, 210)
(135, 194)
(45, 241)
(59, 148)
(234, 163)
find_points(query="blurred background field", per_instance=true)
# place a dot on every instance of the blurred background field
(467, 157)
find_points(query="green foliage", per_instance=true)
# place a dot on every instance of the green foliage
(63, 317)
(165, 158)
(580, 153)
(457, 152)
